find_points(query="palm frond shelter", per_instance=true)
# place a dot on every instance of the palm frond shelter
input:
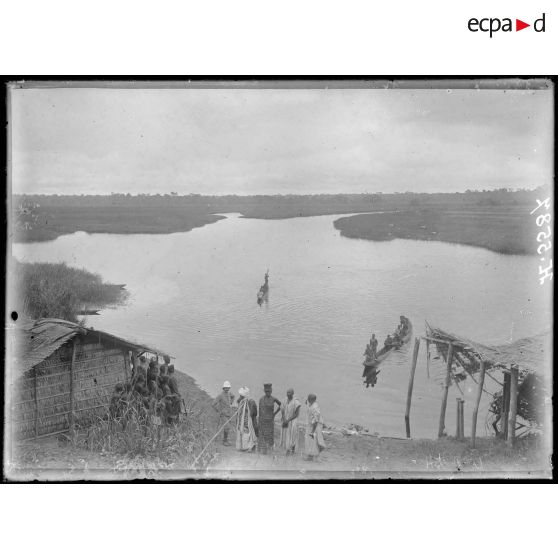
(61, 373)
(466, 358)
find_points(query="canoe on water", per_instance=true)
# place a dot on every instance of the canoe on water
(262, 293)
(384, 352)
(371, 369)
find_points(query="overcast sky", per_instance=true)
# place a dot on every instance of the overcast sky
(73, 141)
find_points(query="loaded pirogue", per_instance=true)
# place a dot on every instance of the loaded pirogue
(373, 358)
(264, 289)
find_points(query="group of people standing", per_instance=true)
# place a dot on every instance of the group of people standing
(254, 425)
(154, 380)
(154, 388)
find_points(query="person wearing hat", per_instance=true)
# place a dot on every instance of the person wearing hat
(223, 404)
(246, 421)
(266, 422)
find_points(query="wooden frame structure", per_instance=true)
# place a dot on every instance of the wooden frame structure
(447, 347)
(64, 375)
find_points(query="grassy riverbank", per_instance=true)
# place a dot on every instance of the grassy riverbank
(346, 457)
(55, 290)
(507, 230)
(102, 453)
(48, 217)
(55, 221)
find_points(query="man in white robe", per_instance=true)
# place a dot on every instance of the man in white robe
(314, 440)
(246, 422)
(289, 422)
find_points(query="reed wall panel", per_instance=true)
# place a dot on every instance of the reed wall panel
(42, 399)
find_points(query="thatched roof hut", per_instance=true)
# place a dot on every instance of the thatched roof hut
(528, 354)
(530, 357)
(62, 372)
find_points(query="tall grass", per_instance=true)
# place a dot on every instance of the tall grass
(55, 290)
(141, 446)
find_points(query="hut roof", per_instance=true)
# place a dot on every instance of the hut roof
(530, 354)
(36, 341)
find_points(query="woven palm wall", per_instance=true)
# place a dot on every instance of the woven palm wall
(45, 395)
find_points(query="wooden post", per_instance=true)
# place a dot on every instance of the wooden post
(514, 381)
(71, 413)
(135, 363)
(410, 389)
(505, 406)
(462, 419)
(428, 359)
(36, 405)
(477, 403)
(458, 419)
(126, 364)
(441, 425)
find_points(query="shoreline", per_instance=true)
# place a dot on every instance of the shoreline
(502, 232)
(498, 220)
(122, 224)
(347, 456)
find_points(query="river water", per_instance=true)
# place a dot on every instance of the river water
(194, 295)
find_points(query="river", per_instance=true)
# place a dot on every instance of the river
(193, 294)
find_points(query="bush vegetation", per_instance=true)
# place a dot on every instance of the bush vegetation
(55, 290)
(140, 446)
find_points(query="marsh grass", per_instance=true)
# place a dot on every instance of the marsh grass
(142, 447)
(506, 230)
(45, 217)
(55, 290)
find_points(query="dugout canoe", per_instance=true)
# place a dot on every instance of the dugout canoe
(384, 352)
(262, 293)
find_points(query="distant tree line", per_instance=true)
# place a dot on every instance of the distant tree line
(45, 217)
(231, 202)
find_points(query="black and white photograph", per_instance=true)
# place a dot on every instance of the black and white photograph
(245, 280)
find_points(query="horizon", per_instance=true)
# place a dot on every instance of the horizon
(290, 194)
(218, 142)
